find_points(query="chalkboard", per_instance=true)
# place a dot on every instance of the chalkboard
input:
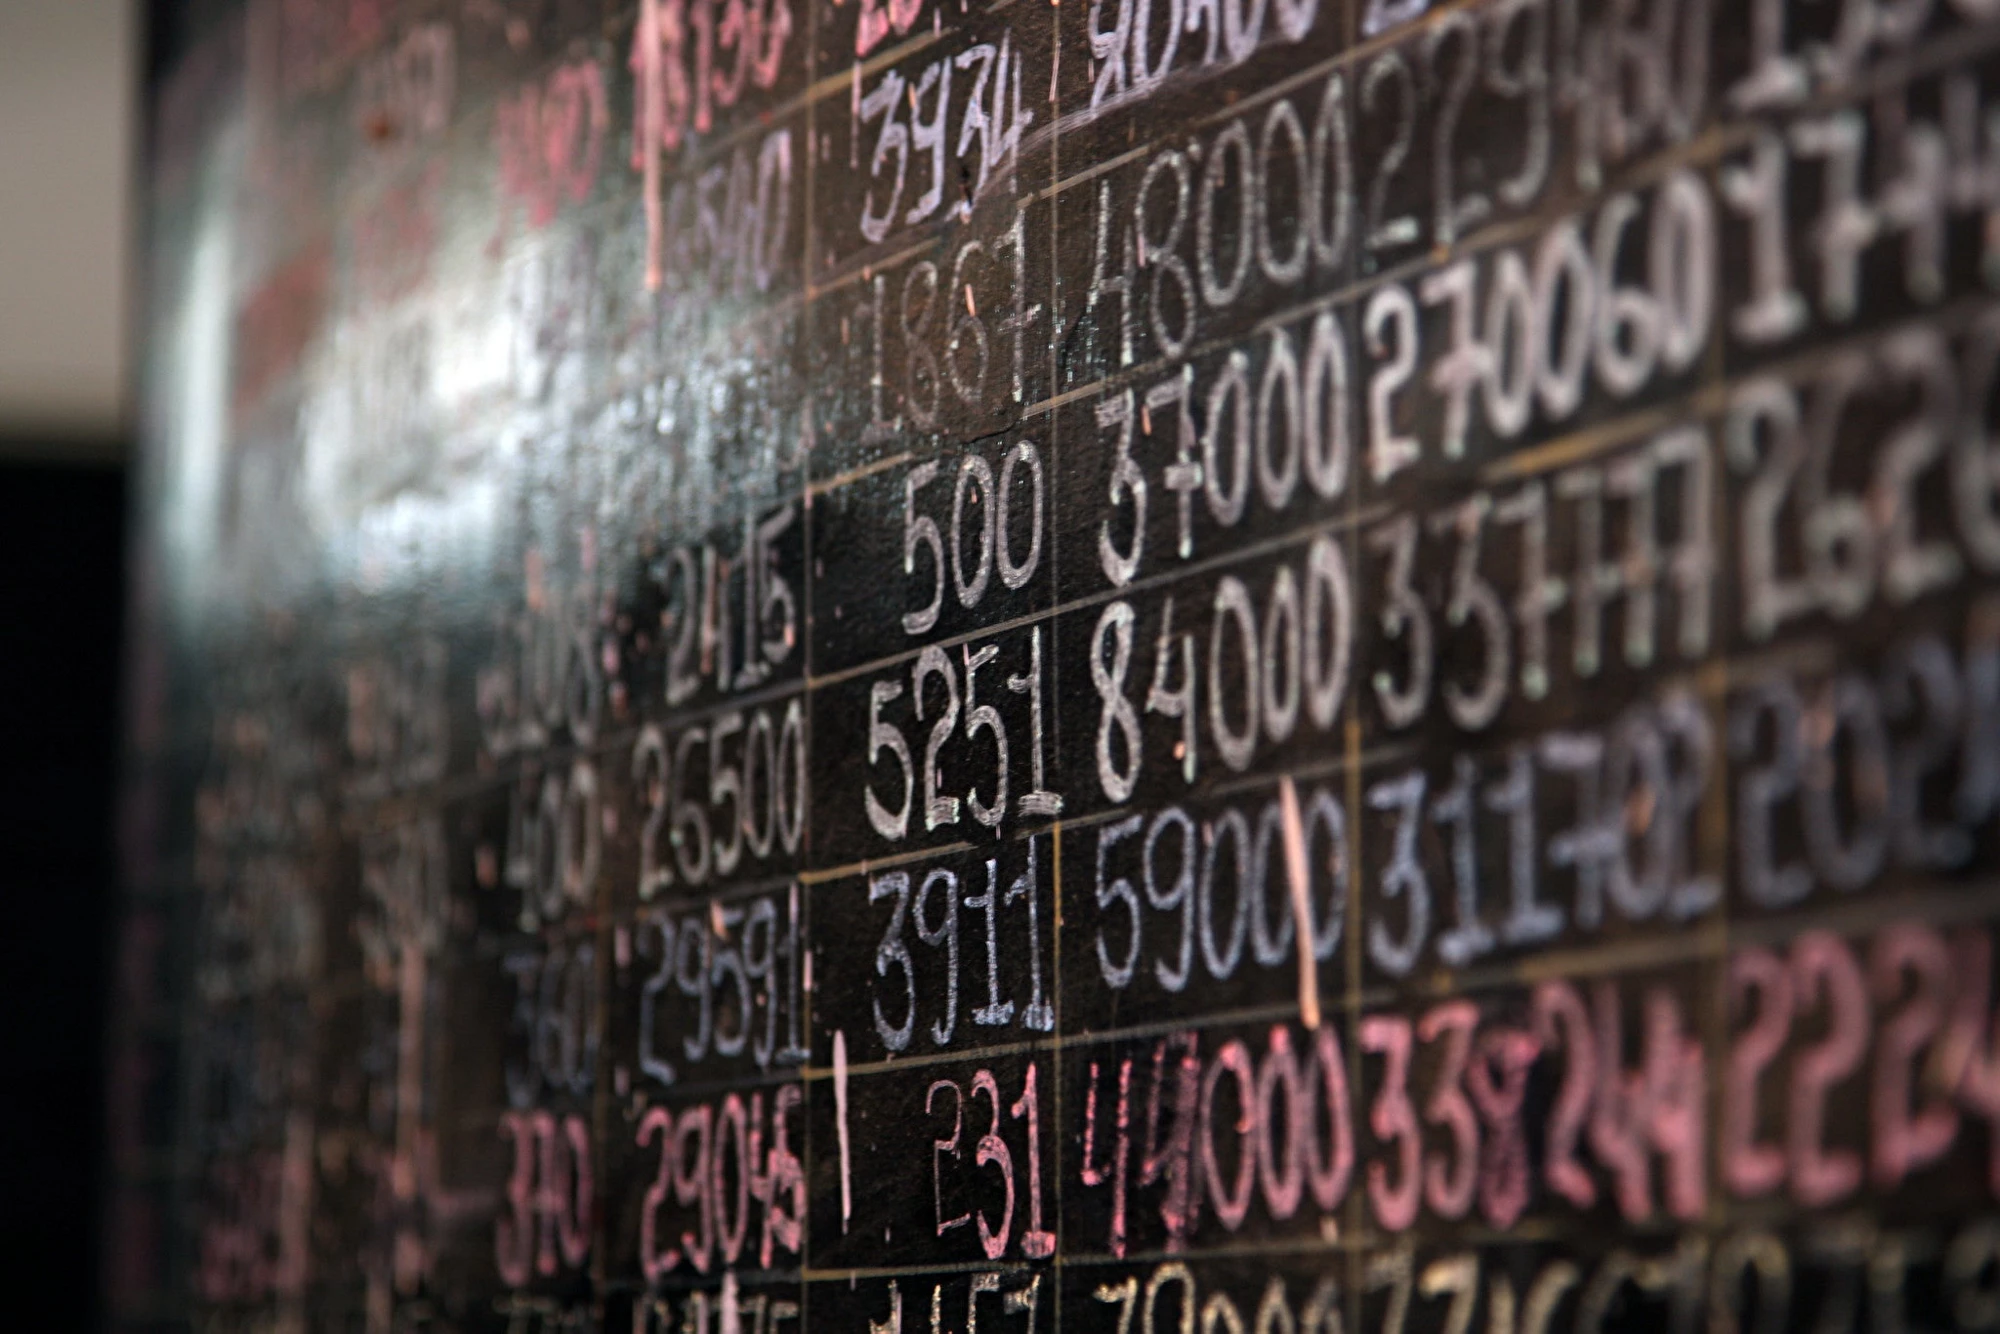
(1256, 666)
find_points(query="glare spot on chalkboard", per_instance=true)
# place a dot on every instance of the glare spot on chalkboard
(1386, 14)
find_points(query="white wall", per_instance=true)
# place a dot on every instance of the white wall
(68, 72)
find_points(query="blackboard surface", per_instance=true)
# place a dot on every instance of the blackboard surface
(1266, 666)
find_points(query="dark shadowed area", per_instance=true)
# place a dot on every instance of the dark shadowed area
(62, 554)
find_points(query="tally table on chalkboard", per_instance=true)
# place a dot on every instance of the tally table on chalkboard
(1255, 666)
